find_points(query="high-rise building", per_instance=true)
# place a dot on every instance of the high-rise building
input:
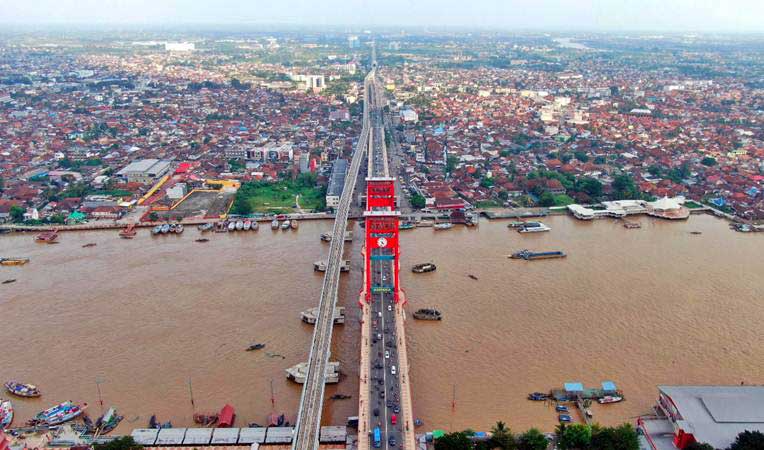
(353, 42)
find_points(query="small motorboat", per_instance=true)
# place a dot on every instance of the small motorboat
(275, 420)
(165, 228)
(443, 226)
(257, 346)
(22, 389)
(239, 225)
(108, 421)
(427, 314)
(294, 224)
(56, 415)
(6, 414)
(13, 261)
(90, 244)
(340, 397)
(153, 422)
(286, 225)
(48, 237)
(206, 227)
(565, 418)
(538, 396)
(275, 224)
(561, 408)
(609, 399)
(418, 422)
(247, 225)
(202, 240)
(696, 232)
(9, 281)
(424, 267)
(157, 230)
(231, 226)
(179, 229)
(405, 226)
(255, 225)
(206, 420)
(473, 277)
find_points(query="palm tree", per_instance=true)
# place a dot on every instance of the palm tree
(502, 436)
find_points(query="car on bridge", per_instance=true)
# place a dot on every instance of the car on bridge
(392, 370)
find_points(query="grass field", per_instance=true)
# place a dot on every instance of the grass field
(279, 197)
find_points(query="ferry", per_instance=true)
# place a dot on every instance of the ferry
(529, 255)
(533, 227)
(275, 224)
(128, 232)
(6, 414)
(286, 225)
(443, 226)
(13, 261)
(424, 267)
(427, 314)
(47, 237)
(247, 225)
(59, 414)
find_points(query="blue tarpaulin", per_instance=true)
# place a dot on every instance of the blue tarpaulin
(574, 387)
(608, 386)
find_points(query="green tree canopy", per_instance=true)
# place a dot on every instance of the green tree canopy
(708, 161)
(502, 437)
(576, 436)
(418, 201)
(122, 443)
(748, 440)
(453, 441)
(17, 213)
(533, 439)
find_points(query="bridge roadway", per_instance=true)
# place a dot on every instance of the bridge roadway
(307, 427)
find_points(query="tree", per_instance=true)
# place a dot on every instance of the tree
(748, 440)
(123, 443)
(546, 199)
(624, 187)
(153, 216)
(502, 437)
(591, 186)
(699, 446)
(17, 213)
(453, 441)
(581, 156)
(486, 182)
(576, 436)
(418, 201)
(2, 184)
(708, 161)
(533, 439)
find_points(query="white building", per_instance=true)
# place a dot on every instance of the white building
(144, 170)
(409, 115)
(179, 46)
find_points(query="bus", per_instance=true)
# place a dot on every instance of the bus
(377, 438)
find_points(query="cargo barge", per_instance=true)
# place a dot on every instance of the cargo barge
(529, 255)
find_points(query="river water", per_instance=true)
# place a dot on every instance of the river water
(142, 317)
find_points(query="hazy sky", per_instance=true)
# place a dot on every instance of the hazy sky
(660, 15)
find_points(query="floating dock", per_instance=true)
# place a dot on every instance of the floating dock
(297, 372)
(309, 316)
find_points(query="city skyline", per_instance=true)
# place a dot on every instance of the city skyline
(588, 15)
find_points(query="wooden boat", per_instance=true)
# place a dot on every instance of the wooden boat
(55, 415)
(275, 224)
(6, 414)
(473, 277)
(108, 421)
(275, 420)
(12, 280)
(89, 244)
(47, 237)
(340, 397)
(427, 314)
(405, 226)
(13, 261)
(609, 399)
(226, 417)
(22, 389)
(202, 240)
(696, 232)
(255, 347)
(129, 232)
(206, 420)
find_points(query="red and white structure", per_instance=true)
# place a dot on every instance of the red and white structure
(382, 235)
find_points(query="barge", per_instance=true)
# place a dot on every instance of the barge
(530, 256)
(424, 268)
(427, 314)
(13, 261)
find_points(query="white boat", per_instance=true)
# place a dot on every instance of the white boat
(247, 225)
(294, 224)
(533, 227)
(443, 226)
(6, 414)
(239, 225)
(609, 399)
(255, 226)
(179, 229)
(231, 226)
(275, 224)
(286, 225)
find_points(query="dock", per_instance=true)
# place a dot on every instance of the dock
(310, 315)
